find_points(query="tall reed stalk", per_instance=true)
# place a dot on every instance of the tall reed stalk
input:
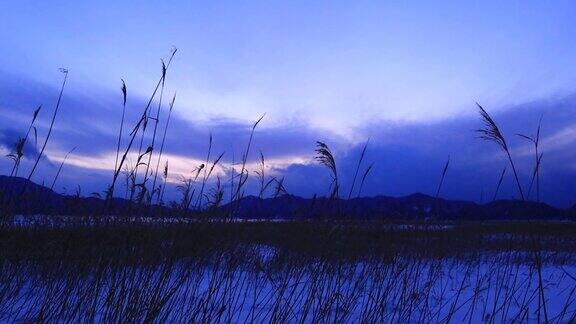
(141, 145)
(205, 177)
(243, 176)
(362, 154)
(165, 180)
(17, 154)
(156, 120)
(535, 140)
(214, 164)
(124, 94)
(232, 175)
(110, 191)
(60, 168)
(261, 174)
(65, 72)
(162, 144)
(364, 176)
(442, 177)
(499, 184)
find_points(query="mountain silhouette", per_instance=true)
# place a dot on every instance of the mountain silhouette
(25, 197)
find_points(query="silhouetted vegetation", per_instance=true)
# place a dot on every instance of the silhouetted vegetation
(291, 271)
(273, 257)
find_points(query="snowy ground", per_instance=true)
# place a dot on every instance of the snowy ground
(266, 289)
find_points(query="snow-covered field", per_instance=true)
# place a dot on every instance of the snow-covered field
(267, 287)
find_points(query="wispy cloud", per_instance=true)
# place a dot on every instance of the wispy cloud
(408, 156)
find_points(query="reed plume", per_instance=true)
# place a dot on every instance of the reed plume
(326, 158)
(492, 133)
(124, 94)
(18, 153)
(165, 178)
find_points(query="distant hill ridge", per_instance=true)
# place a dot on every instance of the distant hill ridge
(41, 200)
(414, 206)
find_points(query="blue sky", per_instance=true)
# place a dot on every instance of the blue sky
(399, 73)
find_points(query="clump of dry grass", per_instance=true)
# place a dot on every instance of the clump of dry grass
(216, 195)
(285, 272)
(186, 188)
(279, 189)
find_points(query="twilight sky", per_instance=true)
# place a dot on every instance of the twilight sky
(404, 74)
